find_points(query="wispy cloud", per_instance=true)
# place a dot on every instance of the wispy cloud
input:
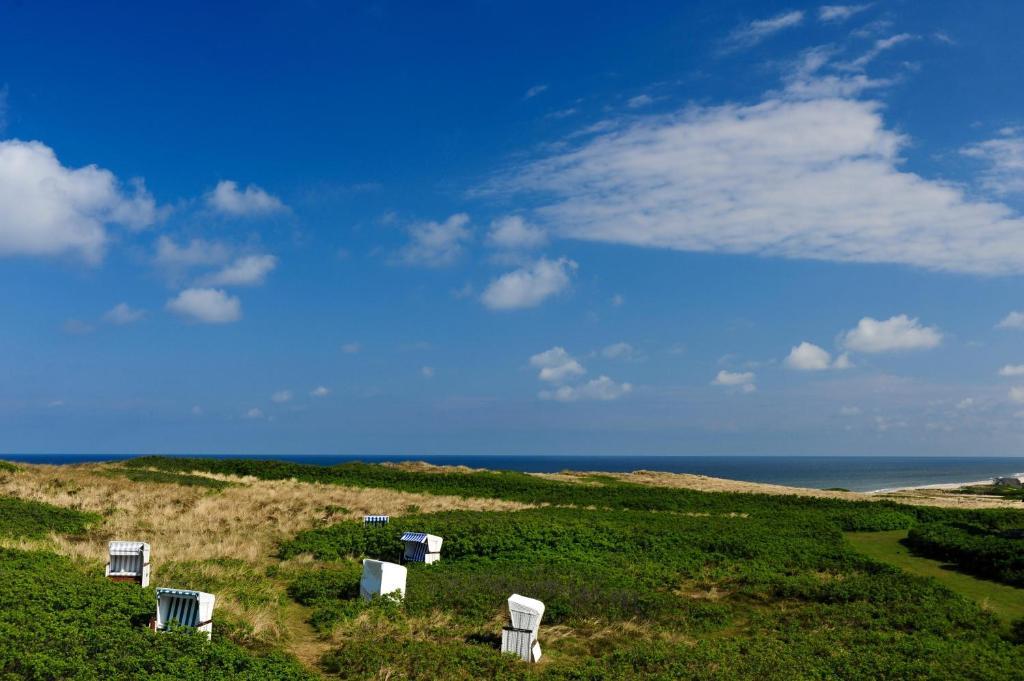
(1004, 159)
(814, 177)
(436, 244)
(228, 199)
(839, 13)
(122, 314)
(754, 32)
(534, 91)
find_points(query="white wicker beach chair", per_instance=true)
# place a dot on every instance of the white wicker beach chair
(376, 520)
(381, 578)
(421, 548)
(128, 561)
(520, 637)
(187, 608)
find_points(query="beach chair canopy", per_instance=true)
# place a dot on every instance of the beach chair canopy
(525, 613)
(431, 541)
(376, 519)
(127, 557)
(187, 608)
(380, 577)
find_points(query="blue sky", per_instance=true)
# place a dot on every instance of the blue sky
(705, 227)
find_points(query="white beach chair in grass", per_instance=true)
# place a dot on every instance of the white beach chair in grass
(380, 577)
(376, 520)
(187, 608)
(128, 561)
(520, 637)
(421, 548)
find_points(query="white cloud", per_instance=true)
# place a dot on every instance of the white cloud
(436, 244)
(556, 365)
(1004, 156)
(744, 380)
(600, 388)
(123, 313)
(196, 410)
(47, 209)
(1017, 394)
(529, 286)
(896, 333)
(228, 199)
(427, 372)
(816, 177)
(639, 101)
(849, 411)
(254, 413)
(810, 357)
(248, 270)
(207, 305)
(618, 300)
(1014, 320)
(965, 403)
(881, 45)
(320, 391)
(754, 32)
(620, 350)
(1012, 370)
(514, 233)
(839, 13)
(281, 396)
(195, 253)
(351, 348)
(534, 91)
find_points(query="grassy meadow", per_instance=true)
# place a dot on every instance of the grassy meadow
(639, 581)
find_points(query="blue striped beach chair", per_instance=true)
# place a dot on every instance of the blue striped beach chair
(376, 520)
(421, 547)
(184, 607)
(128, 561)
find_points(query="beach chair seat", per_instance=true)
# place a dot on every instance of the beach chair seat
(421, 547)
(128, 561)
(520, 636)
(380, 577)
(184, 607)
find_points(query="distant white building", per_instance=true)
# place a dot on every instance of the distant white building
(185, 608)
(520, 637)
(421, 547)
(128, 561)
(380, 577)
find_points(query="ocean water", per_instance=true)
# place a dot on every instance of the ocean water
(858, 473)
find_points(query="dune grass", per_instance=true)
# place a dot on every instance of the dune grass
(1006, 602)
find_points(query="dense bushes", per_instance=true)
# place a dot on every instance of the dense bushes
(58, 623)
(21, 518)
(993, 552)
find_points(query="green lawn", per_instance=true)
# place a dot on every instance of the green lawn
(1006, 602)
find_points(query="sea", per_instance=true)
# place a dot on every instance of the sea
(856, 473)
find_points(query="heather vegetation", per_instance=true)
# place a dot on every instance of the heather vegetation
(639, 582)
(991, 550)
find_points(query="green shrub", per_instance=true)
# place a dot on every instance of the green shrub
(58, 623)
(22, 518)
(989, 551)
